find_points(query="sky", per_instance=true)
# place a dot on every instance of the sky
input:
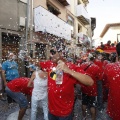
(105, 12)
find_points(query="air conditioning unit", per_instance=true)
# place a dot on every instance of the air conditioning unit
(24, 1)
(22, 21)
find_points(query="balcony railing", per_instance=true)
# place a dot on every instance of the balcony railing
(45, 21)
(83, 15)
(64, 2)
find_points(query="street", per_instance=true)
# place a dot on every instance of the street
(10, 112)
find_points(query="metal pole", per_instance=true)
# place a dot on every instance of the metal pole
(31, 28)
(26, 34)
(26, 25)
(31, 23)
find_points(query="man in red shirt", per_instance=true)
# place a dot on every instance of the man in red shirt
(61, 97)
(17, 89)
(89, 93)
(102, 91)
(112, 75)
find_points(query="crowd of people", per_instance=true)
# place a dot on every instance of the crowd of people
(96, 73)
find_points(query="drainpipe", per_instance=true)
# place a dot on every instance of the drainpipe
(26, 35)
(26, 25)
(31, 28)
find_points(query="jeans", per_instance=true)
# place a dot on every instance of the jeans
(34, 105)
(18, 97)
(100, 95)
(53, 117)
(9, 99)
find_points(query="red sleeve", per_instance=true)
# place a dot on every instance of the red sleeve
(80, 70)
(76, 69)
(46, 65)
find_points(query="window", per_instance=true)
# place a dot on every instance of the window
(79, 28)
(53, 9)
(78, 2)
(70, 21)
(118, 38)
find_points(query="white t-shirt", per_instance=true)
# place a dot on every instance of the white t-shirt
(40, 87)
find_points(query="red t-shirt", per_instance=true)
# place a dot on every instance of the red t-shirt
(20, 85)
(60, 97)
(112, 75)
(95, 73)
(99, 63)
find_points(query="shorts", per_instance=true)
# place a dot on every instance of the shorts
(53, 117)
(89, 101)
(18, 97)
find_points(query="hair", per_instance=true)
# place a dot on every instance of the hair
(92, 56)
(113, 57)
(118, 49)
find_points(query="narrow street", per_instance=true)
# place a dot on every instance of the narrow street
(49, 46)
(10, 112)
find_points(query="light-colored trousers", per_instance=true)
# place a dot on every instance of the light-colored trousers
(42, 103)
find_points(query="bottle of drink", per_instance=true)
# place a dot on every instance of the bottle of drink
(59, 77)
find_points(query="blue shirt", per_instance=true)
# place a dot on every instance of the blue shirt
(33, 67)
(11, 69)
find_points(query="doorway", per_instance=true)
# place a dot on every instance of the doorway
(10, 43)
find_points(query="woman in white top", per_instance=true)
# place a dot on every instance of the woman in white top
(39, 93)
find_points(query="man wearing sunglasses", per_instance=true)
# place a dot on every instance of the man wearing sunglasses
(61, 97)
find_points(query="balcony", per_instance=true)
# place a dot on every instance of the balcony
(85, 1)
(93, 23)
(82, 15)
(46, 22)
(64, 2)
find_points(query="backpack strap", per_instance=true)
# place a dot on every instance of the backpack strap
(88, 66)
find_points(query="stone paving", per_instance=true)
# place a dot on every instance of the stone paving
(101, 115)
(10, 112)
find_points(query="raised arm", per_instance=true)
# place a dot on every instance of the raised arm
(31, 80)
(84, 79)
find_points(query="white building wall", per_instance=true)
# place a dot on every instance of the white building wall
(71, 7)
(111, 34)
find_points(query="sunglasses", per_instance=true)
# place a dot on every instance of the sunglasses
(52, 51)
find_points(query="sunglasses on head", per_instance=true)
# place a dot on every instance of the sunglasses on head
(52, 51)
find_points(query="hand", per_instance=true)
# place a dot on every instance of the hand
(62, 66)
(5, 83)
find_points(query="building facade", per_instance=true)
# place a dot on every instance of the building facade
(12, 28)
(62, 20)
(71, 12)
(111, 32)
